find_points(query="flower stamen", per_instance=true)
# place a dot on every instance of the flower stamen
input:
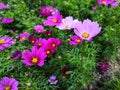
(2, 41)
(85, 35)
(34, 60)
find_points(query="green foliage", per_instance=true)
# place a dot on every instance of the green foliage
(81, 60)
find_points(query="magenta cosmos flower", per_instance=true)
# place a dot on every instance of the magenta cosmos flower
(52, 80)
(8, 84)
(24, 36)
(3, 6)
(40, 42)
(47, 11)
(35, 56)
(104, 66)
(6, 42)
(75, 40)
(7, 20)
(54, 20)
(39, 28)
(104, 2)
(33, 39)
(67, 23)
(87, 30)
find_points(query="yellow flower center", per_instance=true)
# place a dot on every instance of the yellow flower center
(51, 10)
(104, 3)
(34, 60)
(2, 41)
(39, 44)
(85, 35)
(23, 38)
(7, 88)
(33, 41)
(54, 45)
(67, 26)
(49, 34)
(67, 72)
(54, 20)
(78, 40)
(47, 52)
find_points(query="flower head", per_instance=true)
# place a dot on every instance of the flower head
(16, 55)
(104, 66)
(67, 23)
(94, 7)
(75, 40)
(40, 42)
(35, 56)
(7, 20)
(52, 80)
(48, 33)
(24, 36)
(114, 3)
(47, 11)
(39, 28)
(104, 2)
(33, 39)
(65, 71)
(8, 84)
(6, 42)
(3, 6)
(87, 30)
(53, 20)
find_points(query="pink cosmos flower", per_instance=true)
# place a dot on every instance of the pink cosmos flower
(67, 23)
(104, 2)
(54, 20)
(3, 6)
(24, 36)
(114, 3)
(40, 42)
(87, 30)
(52, 80)
(8, 84)
(75, 40)
(47, 11)
(6, 42)
(35, 56)
(39, 28)
(33, 39)
(7, 20)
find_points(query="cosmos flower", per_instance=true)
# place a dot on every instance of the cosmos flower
(52, 80)
(7, 20)
(35, 56)
(65, 71)
(54, 42)
(75, 40)
(16, 55)
(24, 36)
(39, 28)
(48, 33)
(47, 11)
(114, 3)
(6, 42)
(94, 7)
(67, 23)
(53, 20)
(87, 30)
(104, 66)
(33, 39)
(8, 84)
(3, 6)
(104, 2)
(40, 42)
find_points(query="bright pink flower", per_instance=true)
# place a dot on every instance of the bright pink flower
(104, 2)
(24, 36)
(75, 40)
(7, 20)
(6, 42)
(8, 84)
(67, 23)
(54, 20)
(33, 39)
(40, 42)
(3, 6)
(114, 3)
(39, 28)
(47, 11)
(35, 56)
(87, 30)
